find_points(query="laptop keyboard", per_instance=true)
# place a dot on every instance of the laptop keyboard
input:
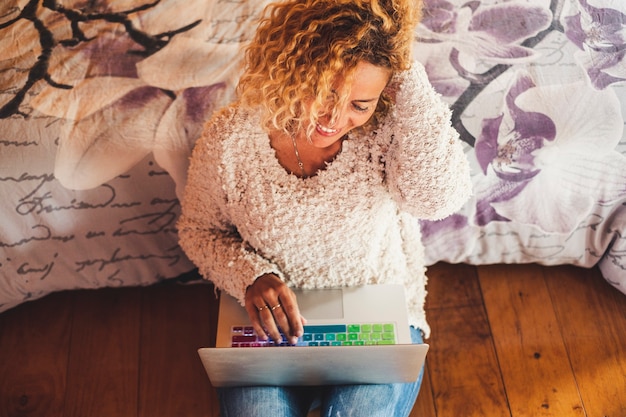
(357, 334)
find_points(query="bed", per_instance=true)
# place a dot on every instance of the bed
(101, 102)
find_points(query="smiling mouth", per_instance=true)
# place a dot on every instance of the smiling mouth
(326, 130)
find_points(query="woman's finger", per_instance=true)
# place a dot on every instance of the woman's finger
(288, 317)
(270, 325)
(254, 311)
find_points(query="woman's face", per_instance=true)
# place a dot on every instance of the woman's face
(368, 83)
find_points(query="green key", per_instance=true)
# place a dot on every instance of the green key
(377, 328)
(366, 328)
(376, 336)
(354, 328)
(353, 336)
(388, 327)
(341, 337)
(388, 336)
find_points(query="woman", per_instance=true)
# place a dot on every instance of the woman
(317, 176)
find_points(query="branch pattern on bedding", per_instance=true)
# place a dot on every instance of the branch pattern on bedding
(101, 103)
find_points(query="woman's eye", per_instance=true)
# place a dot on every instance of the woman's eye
(359, 108)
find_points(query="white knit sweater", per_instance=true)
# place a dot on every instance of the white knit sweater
(356, 222)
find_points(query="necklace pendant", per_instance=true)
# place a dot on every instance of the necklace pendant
(300, 163)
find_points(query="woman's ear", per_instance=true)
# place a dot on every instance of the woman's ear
(390, 90)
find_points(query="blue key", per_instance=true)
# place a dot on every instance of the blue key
(325, 328)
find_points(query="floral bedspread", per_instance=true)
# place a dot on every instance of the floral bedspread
(538, 94)
(101, 102)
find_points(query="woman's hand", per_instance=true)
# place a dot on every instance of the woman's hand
(272, 307)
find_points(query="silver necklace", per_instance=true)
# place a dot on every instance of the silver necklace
(295, 148)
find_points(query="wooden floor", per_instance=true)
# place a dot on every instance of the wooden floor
(506, 341)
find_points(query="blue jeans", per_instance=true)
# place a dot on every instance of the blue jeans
(391, 400)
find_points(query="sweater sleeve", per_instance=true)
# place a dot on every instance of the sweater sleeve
(206, 232)
(426, 169)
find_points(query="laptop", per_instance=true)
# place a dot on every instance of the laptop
(353, 335)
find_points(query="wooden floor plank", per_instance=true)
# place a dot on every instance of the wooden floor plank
(176, 321)
(34, 345)
(592, 317)
(104, 354)
(448, 288)
(464, 370)
(425, 404)
(537, 374)
(451, 286)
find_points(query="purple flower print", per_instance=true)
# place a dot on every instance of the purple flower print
(475, 33)
(124, 83)
(119, 111)
(600, 33)
(513, 161)
(539, 162)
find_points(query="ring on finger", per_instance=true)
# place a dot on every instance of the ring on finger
(275, 307)
(263, 308)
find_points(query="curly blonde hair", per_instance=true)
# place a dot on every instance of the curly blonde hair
(303, 49)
